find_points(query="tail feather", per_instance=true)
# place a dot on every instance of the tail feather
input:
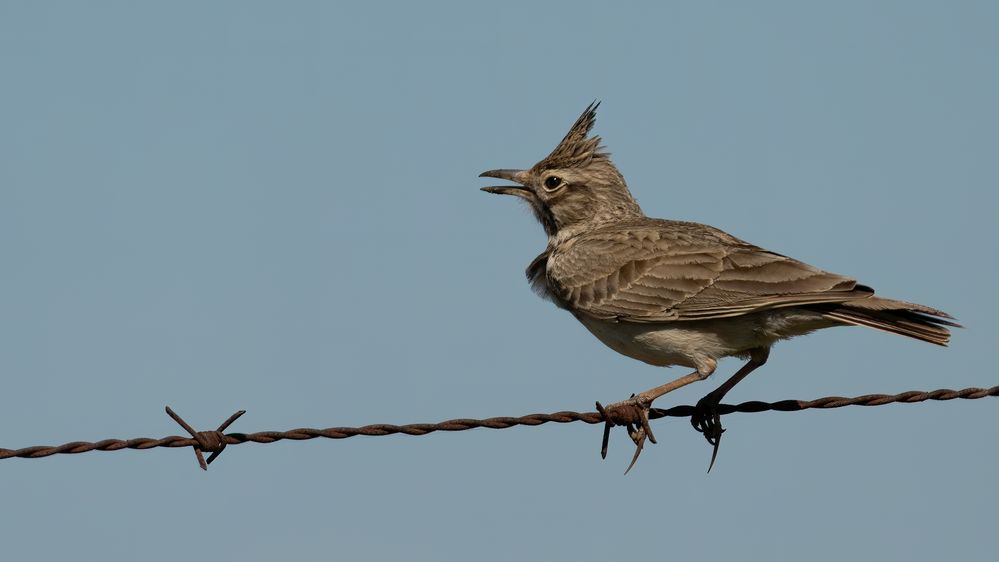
(898, 317)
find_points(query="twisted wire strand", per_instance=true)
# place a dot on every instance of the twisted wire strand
(375, 430)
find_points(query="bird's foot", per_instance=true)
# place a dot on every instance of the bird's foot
(632, 413)
(707, 421)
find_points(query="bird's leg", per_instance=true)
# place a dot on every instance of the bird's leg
(633, 413)
(706, 418)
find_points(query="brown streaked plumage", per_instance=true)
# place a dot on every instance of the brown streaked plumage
(679, 293)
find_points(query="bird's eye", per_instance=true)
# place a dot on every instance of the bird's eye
(553, 182)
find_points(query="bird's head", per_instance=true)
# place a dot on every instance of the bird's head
(573, 187)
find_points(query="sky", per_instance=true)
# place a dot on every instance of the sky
(275, 207)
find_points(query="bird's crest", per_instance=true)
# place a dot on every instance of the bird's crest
(576, 150)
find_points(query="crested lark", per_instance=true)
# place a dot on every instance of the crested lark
(678, 293)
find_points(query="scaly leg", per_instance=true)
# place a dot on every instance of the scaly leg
(634, 412)
(706, 419)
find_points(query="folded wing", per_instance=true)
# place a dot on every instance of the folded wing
(684, 271)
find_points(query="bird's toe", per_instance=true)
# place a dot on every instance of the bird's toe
(633, 414)
(707, 420)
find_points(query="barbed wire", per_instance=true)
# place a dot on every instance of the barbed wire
(215, 441)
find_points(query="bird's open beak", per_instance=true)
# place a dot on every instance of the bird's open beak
(512, 175)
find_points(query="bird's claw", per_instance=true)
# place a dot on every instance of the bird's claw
(707, 421)
(632, 413)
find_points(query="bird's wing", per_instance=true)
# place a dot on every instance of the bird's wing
(661, 271)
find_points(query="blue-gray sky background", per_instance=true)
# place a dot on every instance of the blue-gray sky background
(274, 206)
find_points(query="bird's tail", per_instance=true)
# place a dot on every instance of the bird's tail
(898, 317)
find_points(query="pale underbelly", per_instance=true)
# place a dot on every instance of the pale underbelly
(698, 344)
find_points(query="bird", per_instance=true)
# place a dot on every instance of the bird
(677, 293)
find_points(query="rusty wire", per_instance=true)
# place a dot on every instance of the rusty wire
(215, 441)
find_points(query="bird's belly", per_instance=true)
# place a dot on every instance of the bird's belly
(697, 343)
(659, 344)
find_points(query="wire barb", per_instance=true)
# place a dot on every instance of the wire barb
(633, 414)
(217, 441)
(212, 441)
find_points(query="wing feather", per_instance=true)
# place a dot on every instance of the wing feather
(657, 271)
